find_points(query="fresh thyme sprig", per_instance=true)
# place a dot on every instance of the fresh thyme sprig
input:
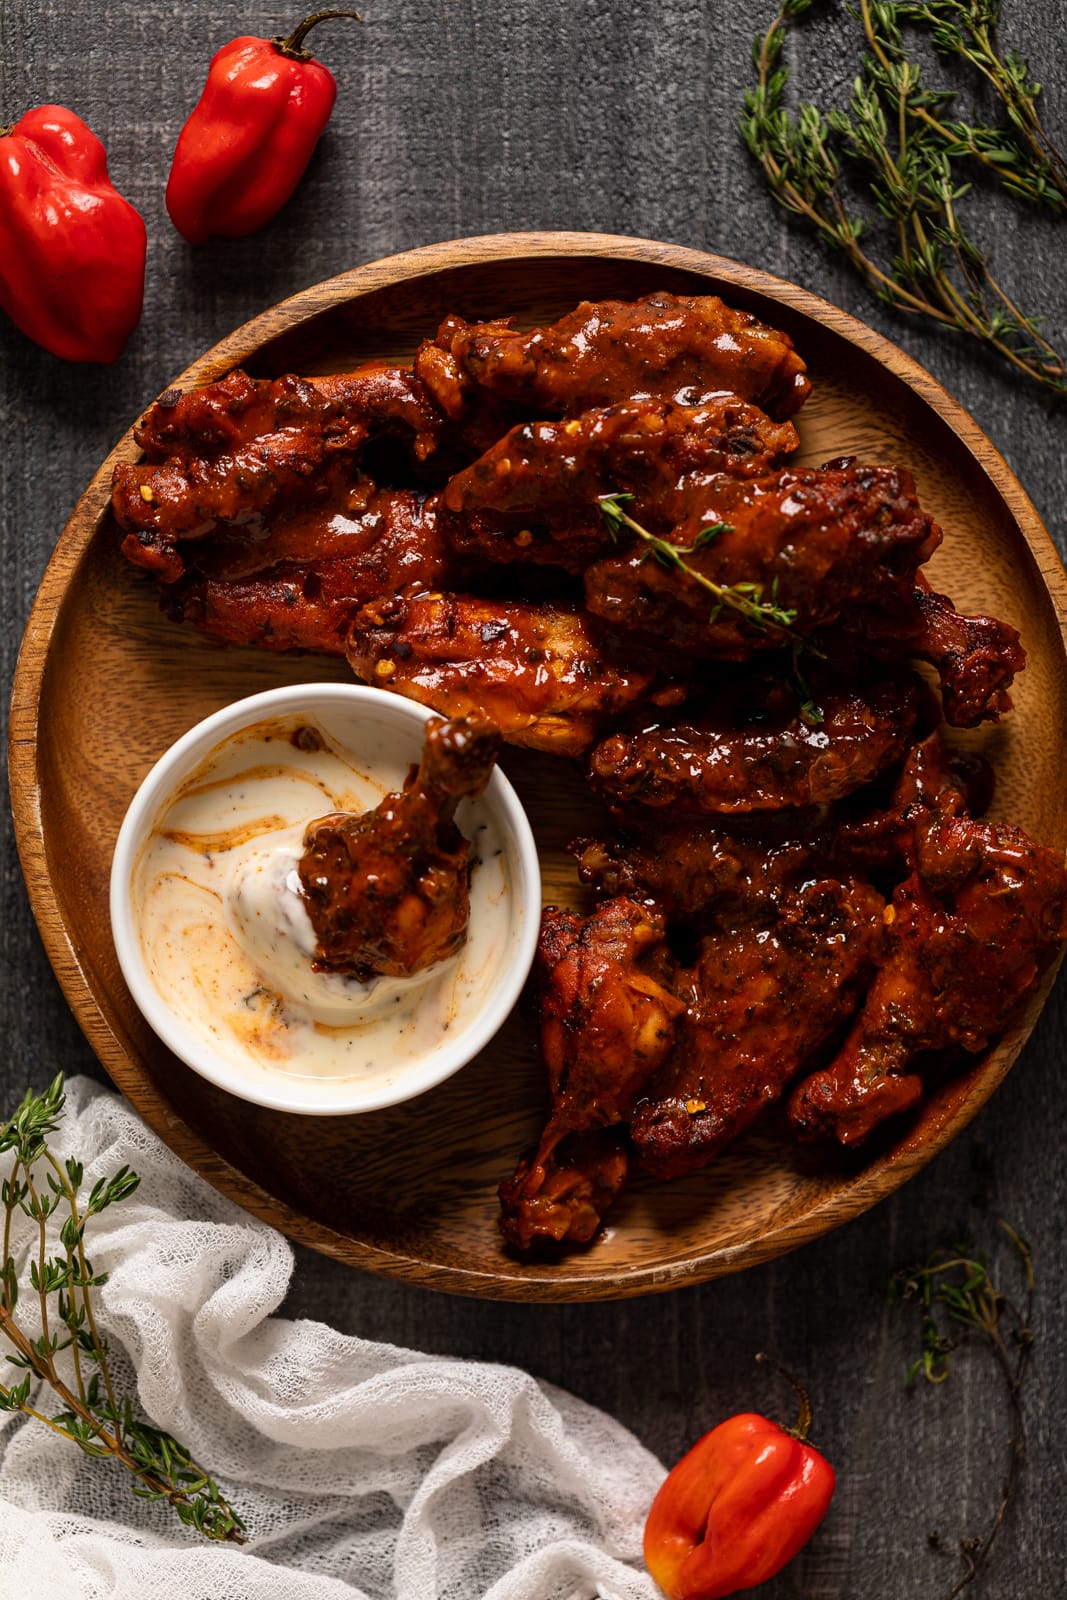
(960, 1305)
(94, 1418)
(894, 138)
(970, 29)
(746, 599)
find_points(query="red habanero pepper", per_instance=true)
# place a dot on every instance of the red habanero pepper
(737, 1508)
(245, 147)
(72, 250)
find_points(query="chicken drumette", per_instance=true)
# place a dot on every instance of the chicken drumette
(388, 892)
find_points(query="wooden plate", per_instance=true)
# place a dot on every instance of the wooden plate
(104, 684)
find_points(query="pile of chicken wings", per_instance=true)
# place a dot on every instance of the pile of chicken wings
(796, 897)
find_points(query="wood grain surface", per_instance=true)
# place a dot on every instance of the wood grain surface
(463, 119)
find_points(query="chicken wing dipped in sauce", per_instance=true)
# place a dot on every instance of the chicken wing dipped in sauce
(608, 1019)
(685, 346)
(540, 671)
(533, 495)
(388, 892)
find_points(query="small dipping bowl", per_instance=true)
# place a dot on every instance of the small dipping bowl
(205, 858)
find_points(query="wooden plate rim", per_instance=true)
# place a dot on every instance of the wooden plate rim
(880, 1179)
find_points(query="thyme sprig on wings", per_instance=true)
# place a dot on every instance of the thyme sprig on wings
(896, 139)
(746, 599)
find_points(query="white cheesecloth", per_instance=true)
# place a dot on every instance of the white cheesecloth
(364, 1472)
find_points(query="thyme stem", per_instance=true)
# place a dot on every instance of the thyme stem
(938, 270)
(99, 1423)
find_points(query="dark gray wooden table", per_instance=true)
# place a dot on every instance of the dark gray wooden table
(465, 117)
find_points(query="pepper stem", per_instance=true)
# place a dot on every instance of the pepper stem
(293, 46)
(803, 1422)
(8, 127)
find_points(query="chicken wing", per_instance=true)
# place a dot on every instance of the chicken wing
(756, 750)
(388, 892)
(319, 572)
(533, 495)
(817, 542)
(607, 1020)
(539, 671)
(345, 408)
(662, 345)
(969, 934)
(761, 1001)
(240, 459)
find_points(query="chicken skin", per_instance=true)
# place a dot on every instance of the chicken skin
(388, 892)
(664, 345)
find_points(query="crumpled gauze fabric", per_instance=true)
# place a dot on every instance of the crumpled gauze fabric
(364, 1472)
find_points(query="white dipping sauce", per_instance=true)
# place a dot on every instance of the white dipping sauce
(227, 942)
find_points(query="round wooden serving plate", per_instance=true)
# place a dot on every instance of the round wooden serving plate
(105, 683)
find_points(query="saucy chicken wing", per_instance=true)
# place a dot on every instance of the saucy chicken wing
(539, 671)
(968, 935)
(756, 749)
(533, 496)
(817, 542)
(317, 576)
(607, 1020)
(761, 1000)
(388, 892)
(664, 345)
(234, 458)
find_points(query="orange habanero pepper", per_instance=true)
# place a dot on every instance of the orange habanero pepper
(248, 140)
(72, 250)
(737, 1508)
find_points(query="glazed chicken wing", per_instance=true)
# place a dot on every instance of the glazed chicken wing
(754, 749)
(761, 1001)
(663, 345)
(388, 892)
(533, 496)
(246, 452)
(607, 1021)
(539, 671)
(816, 542)
(318, 575)
(969, 933)
(344, 408)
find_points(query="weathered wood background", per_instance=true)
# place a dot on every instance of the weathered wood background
(464, 117)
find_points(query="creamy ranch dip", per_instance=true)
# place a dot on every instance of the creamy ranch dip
(228, 944)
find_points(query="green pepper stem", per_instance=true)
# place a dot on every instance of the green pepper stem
(8, 127)
(293, 46)
(803, 1422)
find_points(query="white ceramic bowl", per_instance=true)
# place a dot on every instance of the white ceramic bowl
(348, 712)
